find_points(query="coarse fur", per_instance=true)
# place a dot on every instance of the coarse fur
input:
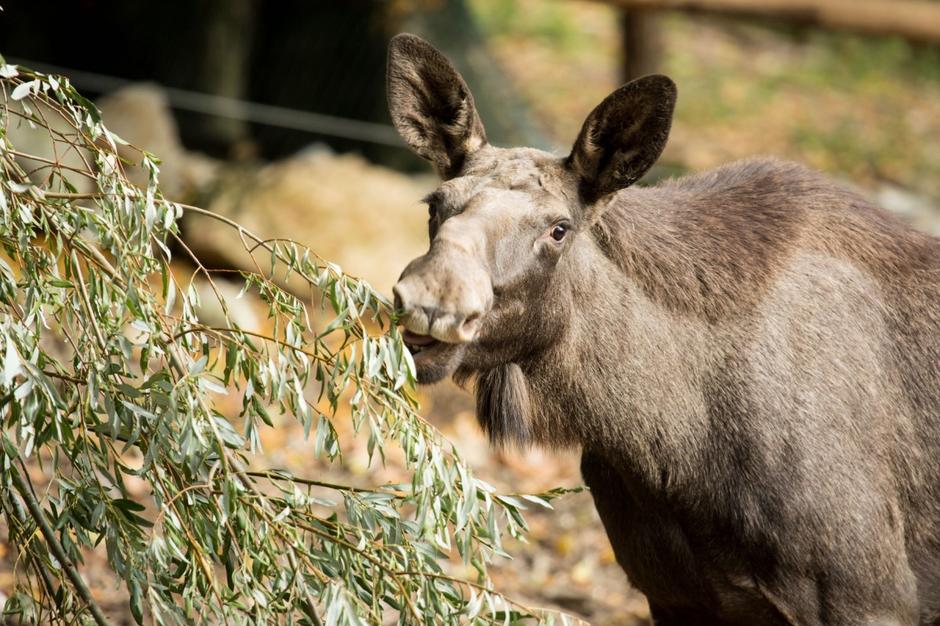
(748, 358)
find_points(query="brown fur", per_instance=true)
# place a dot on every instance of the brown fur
(748, 358)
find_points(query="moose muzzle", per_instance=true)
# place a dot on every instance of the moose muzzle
(444, 294)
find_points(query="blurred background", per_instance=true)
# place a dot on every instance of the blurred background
(274, 114)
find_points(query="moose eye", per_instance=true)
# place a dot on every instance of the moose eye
(559, 231)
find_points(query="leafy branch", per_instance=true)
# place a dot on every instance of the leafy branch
(108, 373)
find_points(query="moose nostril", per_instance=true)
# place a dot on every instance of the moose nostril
(469, 325)
(397, 296)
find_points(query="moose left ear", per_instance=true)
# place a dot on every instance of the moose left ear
(623, 136)
(431, 106)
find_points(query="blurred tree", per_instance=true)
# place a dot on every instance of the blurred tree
(201, 46)
(322, 56)
(223, 66)
(451, 27)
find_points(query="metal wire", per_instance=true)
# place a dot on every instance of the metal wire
(233, 108)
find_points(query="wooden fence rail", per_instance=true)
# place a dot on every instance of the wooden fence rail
(917, 20)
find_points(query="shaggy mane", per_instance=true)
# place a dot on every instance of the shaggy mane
(503, 404)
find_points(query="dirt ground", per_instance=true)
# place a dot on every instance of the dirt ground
(566, 564)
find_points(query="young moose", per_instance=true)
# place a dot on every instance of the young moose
(748, 358)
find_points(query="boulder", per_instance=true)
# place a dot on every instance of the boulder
(58, 149)
(366, 218)
(140, 114)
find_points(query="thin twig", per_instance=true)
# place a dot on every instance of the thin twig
(20, 516)
(276, 475)
(56, 548)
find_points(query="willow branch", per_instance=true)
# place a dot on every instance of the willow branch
(55, 547)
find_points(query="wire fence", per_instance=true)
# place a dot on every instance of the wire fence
(234, 108)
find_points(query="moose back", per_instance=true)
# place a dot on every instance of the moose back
(748, 358)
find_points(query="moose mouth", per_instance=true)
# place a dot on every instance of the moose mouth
(417, 344)
(434, 359)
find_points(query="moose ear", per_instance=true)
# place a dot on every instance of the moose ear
(431, 106)
(623, 136)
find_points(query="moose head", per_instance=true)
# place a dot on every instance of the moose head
(506, 225)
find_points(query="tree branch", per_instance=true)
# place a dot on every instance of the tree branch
(55, 547)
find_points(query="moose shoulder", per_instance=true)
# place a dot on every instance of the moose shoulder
(748, 358)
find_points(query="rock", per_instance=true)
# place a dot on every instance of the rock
(140, 114)
(366, 218)
(243, 310)
(52, 140)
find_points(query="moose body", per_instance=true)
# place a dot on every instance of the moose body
(748, 358)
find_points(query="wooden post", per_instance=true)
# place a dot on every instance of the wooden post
(640, 43)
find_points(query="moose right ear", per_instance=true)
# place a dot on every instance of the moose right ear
(623, 136)
(431, 106)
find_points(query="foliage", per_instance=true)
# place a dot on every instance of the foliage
(109, 375)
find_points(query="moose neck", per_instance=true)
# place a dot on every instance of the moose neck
(627, 376)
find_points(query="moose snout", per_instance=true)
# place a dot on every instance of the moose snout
(446, 307)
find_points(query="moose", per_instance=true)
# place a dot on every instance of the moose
(747, 358)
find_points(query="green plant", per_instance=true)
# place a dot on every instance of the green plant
(108, 373)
